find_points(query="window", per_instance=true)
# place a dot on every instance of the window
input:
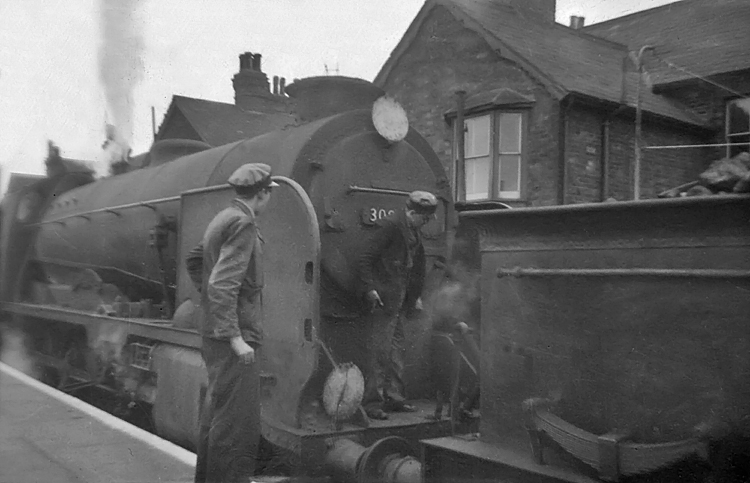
(738, 126)
(493, 153)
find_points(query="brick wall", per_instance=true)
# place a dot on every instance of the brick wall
(709, 100)
(660, 169)
(664, 169)
(446, 57)
(583, 148)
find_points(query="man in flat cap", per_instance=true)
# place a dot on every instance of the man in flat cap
(391, 276)
(226, 268)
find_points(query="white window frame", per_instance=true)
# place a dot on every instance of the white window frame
(496, 150)
(729, 136)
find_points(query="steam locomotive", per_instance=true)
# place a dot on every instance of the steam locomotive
(93, 271)
(613, 340)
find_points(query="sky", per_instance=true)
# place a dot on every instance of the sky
(53, 54)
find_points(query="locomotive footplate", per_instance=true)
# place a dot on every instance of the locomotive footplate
(311, 443)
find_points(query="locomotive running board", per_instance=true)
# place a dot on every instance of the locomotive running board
(157, 329)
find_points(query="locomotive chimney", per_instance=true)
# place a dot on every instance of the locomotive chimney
(252, 92)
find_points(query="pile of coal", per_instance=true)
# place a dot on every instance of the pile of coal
(727, 175)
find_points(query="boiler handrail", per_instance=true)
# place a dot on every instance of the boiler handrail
(111, 209)
(622, 272)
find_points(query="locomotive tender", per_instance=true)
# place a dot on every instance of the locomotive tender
(613, 336)
(614, 341)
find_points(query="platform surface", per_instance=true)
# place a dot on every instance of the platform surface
(50, 437)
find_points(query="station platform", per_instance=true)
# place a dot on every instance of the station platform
(48, 436)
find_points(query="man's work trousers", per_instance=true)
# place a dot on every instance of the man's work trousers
(384, 368)
(230, 417)
(394, 376)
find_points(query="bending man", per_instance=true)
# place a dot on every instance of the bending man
(391, 272)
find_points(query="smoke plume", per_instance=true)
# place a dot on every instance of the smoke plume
(120, 70)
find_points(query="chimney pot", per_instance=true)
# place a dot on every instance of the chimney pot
(256, 63)
(276, 85)
(246, 61)
(576, 22)
(252, 87)
(282, 86)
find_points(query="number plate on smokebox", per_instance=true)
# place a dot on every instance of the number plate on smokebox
(370, 215)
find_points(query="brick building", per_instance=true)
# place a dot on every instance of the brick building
(550, 110)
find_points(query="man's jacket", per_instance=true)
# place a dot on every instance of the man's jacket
(226, 267)
(392, 262)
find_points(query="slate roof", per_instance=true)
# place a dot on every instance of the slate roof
(566, 60)
(219, 123)
(705, 37)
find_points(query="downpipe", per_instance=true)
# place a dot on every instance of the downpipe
(388, 460)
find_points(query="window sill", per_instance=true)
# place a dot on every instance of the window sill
(483, 205)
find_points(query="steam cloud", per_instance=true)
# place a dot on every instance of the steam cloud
(452, 301)
(13, 351)
(120, 70)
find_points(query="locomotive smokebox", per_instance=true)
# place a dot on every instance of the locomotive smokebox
(319, 97)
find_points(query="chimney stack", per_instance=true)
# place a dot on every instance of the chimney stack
(252, 92)
(576, 22)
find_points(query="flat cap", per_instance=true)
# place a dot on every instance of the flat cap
(422, 202)
(252, 176)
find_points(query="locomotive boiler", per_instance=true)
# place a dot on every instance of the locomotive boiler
(93, 271)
